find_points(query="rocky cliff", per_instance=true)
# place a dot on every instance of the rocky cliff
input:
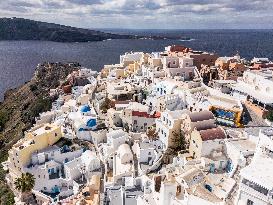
(22, 105)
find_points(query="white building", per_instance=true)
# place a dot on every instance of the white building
(256, 186)
(167, 102)
(169, 127)
(123, 164)
(129, 58)
(256, 84)
(87, 163)
(149, 155)
(138, 117)
(83, 121)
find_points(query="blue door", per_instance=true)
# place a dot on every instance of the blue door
(229, 166)
(212, 168)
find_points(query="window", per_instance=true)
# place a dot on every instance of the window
(45, 188)
(56, 134)
(249, 202)
(39, 176)
(149, 153)
(135, 122)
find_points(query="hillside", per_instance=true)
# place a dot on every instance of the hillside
(24, 29)
(21, 106)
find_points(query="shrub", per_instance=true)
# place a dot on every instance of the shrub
(107, 104)
(4, 117)
(269, 116)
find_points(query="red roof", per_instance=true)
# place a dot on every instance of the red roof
(212, 134)
(145, 114)
(178, 48)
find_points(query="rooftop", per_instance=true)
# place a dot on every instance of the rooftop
(260, 171)
(212, 134)
(201, 116)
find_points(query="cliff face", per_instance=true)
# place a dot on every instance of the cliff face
(22, 105)
(24, 29)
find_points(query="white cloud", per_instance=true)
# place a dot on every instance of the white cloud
(145, 13)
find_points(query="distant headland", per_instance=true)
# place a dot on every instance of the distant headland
(25, 29)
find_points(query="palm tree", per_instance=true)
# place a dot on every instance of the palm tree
(25, 184)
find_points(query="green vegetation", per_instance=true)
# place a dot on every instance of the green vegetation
(19, 109)
(106, 105)
(25, 183)
(4, 117)
(180, 142)
(6, 195)
(269, 116)
(40, 105)
(33, 87)
(152, 134)
(126, 127)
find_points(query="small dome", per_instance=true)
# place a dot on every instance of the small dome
(91, 123)
(85, 108)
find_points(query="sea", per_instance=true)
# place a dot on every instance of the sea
(18, 59)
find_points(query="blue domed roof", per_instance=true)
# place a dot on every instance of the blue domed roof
(85, 108)
(91, 123)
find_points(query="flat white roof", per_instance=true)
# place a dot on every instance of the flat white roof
(260, 171)
(260, 96)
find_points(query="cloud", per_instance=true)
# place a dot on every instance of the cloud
(85, 2)
(146, 13)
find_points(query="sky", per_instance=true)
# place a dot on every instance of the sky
(146, 14)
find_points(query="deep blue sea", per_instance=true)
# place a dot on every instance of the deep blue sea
(18, 59)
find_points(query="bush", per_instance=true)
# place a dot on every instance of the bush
(41, 105)
(107, 104)
(4, 117)
(269, 116)
(37, 107)
(6, 195)
(33, 87)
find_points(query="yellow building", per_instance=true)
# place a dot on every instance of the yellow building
(120, 73)
(132, 68)
(35, 139)
(104, 72)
